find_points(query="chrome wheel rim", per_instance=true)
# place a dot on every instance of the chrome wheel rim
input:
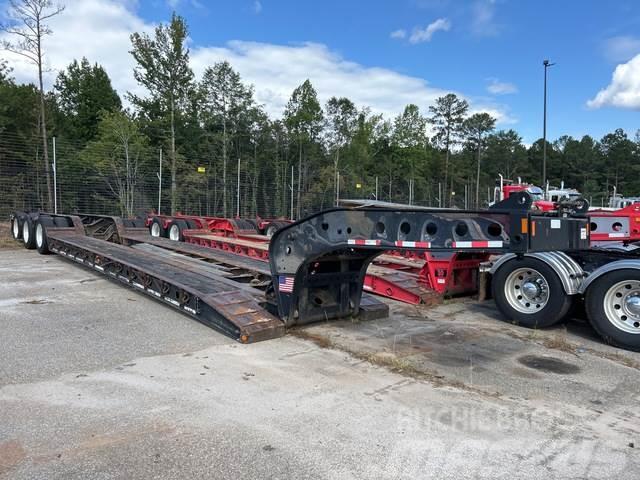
(622, 306)
(526, 290)
(25, 232)
(155, 230)
(174, 233)
(39, 235)
(15, 228)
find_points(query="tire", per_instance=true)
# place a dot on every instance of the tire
(618, 326)
(40, 229)
(271, 229)
(519, 288)
(192, 224)
(156, 229)
(28, 233)
(16, 227)
(174, 232)
(244, 224)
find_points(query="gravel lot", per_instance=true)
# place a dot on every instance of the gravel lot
(99, 382)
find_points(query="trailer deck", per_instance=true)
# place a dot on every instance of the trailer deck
(212, 299)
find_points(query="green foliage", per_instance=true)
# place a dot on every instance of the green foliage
(118, 154)
(163, 69)
(84, 91)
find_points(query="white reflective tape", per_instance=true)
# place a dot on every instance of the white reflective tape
(138, 285)
(153, 292)
(359, 241)
(125, 279)
(172, 301)
(556, 224)
(190, 310)
(495, 244)
(617, 235)
(583, 234)
(441, 280)
(463, 245)
(98, 267)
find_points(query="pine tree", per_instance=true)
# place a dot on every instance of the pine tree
(163, 69)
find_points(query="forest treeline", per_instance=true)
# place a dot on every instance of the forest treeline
(211, 128)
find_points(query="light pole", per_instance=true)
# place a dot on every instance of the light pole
(544, 127)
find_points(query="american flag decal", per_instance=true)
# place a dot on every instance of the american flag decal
(285, 284)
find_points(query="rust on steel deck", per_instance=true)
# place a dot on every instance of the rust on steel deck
(218, 302)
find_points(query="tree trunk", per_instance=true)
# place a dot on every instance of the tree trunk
(173, 159)
(43, 123)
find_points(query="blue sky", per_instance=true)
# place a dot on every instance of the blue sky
(389, 53)
(500, 41)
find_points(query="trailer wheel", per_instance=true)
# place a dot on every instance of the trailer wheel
(42, 243)
(529, 292)
(156, 229)
(613, 308)
(175, 230)
(28, 233)
(16, 227)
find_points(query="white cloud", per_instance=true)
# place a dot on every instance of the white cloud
(621, 48)
(624, 89)
(496, 87)
(398, 34)
(275, 70)
(96, 29)
(483, 18)
(100, 30)
(257, 6)
(420, 35)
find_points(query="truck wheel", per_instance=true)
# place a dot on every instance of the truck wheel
(28, 234)
(42, 243)
(271, 229)
(156, 229)
(613, 308)
(175, 230)
(529, 292)
(16, 228)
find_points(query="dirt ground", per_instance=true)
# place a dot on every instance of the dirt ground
(6, 239)
(100, 382)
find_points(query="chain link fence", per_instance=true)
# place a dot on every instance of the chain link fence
(111, 181)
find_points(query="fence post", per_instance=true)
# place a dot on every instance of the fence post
(238, 192)
(376, 188)
(55, 179)
(291, 188)
(159, 175)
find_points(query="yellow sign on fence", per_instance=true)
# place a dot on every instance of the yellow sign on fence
(202, 170)
(358, 185)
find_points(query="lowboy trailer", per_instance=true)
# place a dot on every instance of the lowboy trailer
(318, 265)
